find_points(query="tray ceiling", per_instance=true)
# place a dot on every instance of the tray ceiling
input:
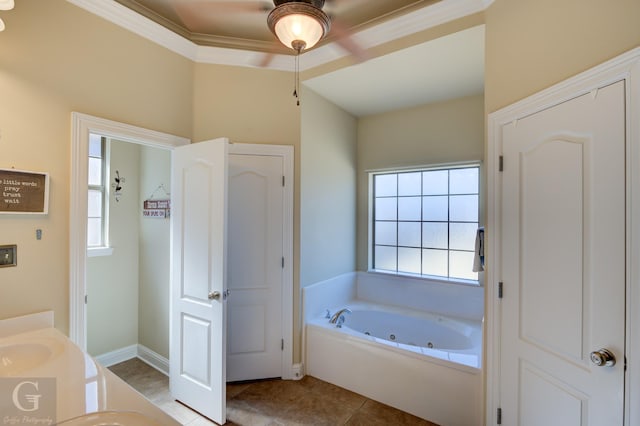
(242, 24)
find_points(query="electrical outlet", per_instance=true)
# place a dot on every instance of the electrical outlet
(8, 256)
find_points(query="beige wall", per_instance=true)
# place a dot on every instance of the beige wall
(328, 188)
(112, 281)
(532, 44)
(153, 290)
(54, 59)
(432, 134)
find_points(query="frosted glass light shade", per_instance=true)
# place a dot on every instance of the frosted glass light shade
(1, 25)
(299, 27)
(6, 5)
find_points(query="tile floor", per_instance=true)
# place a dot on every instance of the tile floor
(309, 401)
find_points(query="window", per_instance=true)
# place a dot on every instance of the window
(97, 197)
(425, 221)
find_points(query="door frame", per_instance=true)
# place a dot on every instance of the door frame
(625, 67)
(81, 126)
(289, 370)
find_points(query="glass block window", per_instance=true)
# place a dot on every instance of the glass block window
(424, 222)
(97, 196)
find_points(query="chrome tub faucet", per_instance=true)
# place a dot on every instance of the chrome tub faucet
(338, 317)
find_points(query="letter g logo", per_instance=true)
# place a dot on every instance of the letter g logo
(33, 399)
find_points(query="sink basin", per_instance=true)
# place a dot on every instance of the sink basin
(111, 418)
(16, 358)
(19, 354)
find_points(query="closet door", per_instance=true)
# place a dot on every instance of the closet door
(256, 267)
(563, 263)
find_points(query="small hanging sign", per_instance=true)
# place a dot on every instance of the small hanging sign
(23, 192)
(156, 208)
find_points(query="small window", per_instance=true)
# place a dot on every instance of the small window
(97, 196)
(424, 222)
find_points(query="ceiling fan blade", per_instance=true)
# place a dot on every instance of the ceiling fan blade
(266, 60)
(343, 36)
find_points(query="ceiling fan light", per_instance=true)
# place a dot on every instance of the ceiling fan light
(7, 4)
(298, 22)
(299, 27)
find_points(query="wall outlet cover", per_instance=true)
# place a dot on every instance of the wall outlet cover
(8, 256)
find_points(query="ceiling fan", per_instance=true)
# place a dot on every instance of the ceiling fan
(298, 24)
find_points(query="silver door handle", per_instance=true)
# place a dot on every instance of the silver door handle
(214, 295)
(603, 358)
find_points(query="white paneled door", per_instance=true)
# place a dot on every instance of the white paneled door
(198, 284)
(255, 265)
(563, 263)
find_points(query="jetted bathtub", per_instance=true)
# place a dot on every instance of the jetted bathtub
(426, 364)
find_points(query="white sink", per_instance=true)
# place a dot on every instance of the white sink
(111, 418)
(16, 358)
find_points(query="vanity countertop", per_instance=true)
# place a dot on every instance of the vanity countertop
(82, 386)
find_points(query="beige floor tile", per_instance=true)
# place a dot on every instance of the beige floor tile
(337, 394)
(234, 389)
(309, 401)
(391, 415)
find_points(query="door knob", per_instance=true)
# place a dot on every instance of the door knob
(603, 358)
(214, 295)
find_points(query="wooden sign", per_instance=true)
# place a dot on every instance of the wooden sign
(23, 192)
(156, 208)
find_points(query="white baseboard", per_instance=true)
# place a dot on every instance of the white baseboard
(117, 356)
(154, 359)
(145, 354)
(297, 371)
(159, 362)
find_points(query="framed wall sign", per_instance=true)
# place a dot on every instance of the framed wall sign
(23, 192)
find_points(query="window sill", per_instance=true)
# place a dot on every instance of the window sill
(430, 278)
(99, 251)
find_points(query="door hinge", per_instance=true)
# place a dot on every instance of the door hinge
(282, 180)
(282, 344)
(500, 290)
(282, 261)
(86, 298)
(499, 416)
(501, 163)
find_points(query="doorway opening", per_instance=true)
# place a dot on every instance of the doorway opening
(82, 126)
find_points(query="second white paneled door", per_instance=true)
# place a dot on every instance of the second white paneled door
(255, 266)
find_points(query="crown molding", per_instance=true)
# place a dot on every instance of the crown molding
(410, 23)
